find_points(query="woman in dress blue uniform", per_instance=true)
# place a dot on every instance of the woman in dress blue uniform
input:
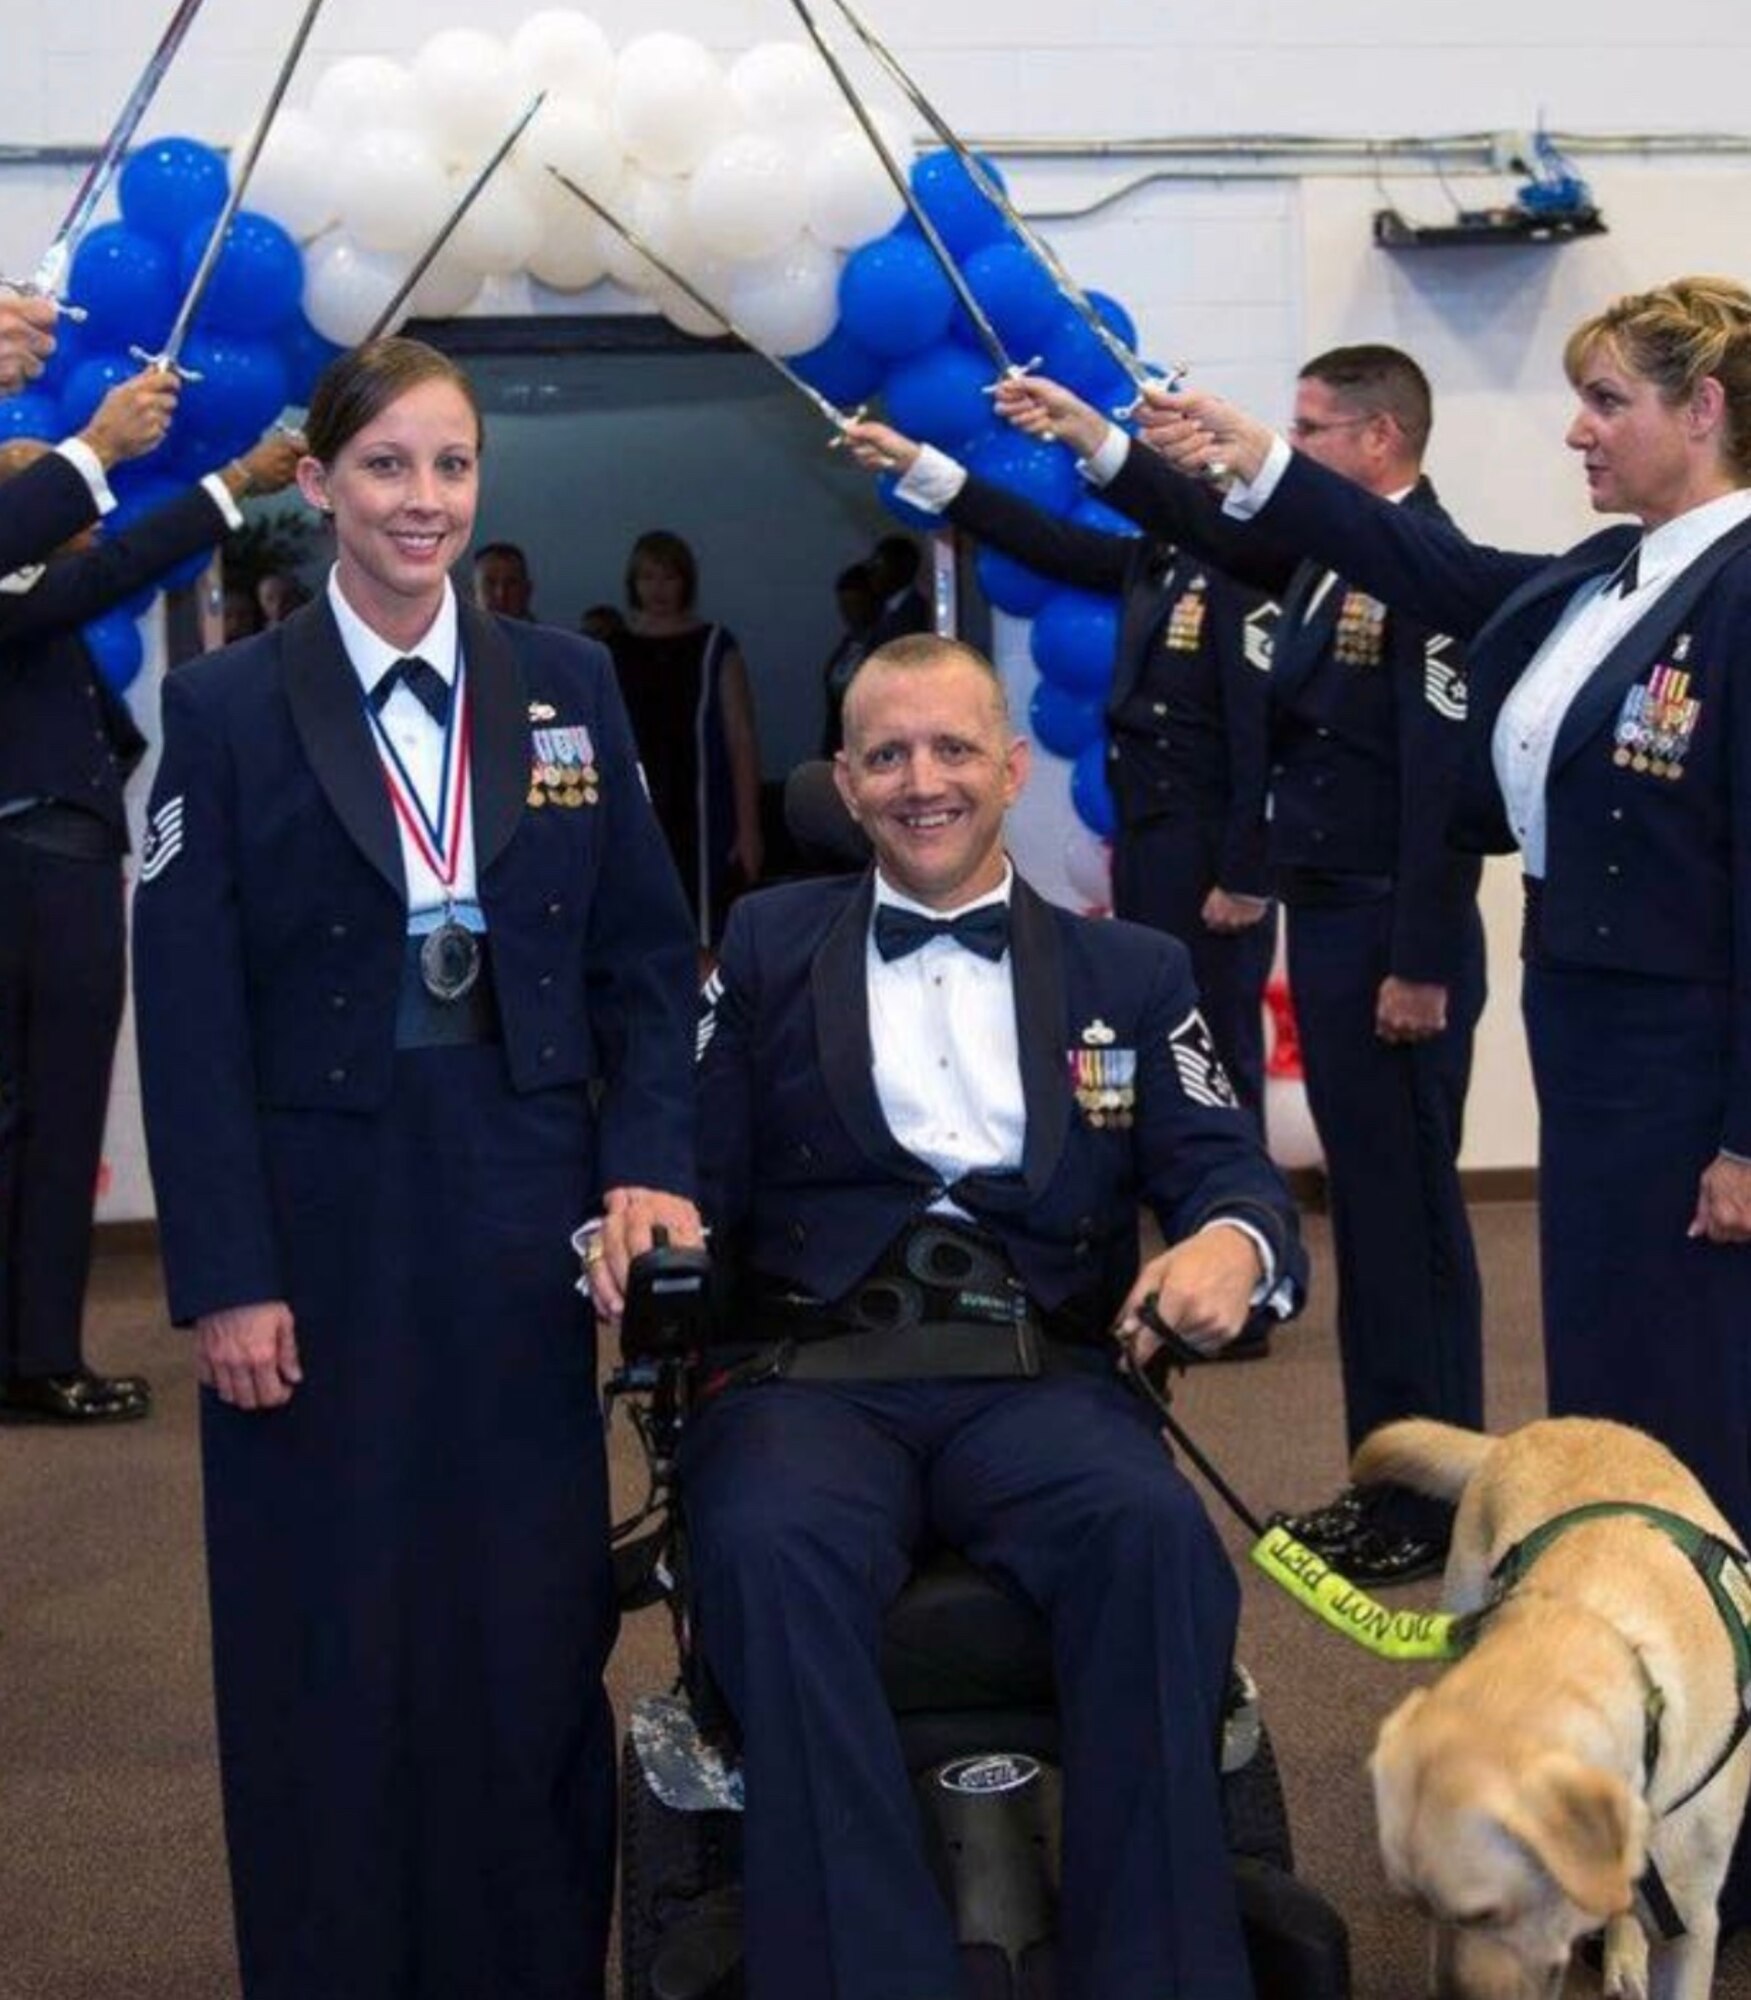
(1611, 744)
(415, 993)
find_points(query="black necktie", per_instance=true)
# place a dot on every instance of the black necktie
(1628, 573)
(984, 930)
(423, 681)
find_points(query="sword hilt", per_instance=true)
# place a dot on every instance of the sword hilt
(844, 421)
(34, 288)
(167, 362)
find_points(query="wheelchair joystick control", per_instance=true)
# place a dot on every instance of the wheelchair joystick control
(668, 1301)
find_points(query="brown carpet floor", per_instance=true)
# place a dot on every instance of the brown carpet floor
(112, 1872)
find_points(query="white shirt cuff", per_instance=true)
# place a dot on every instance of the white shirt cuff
(1267, 1283)
(932, 480)
(221, 498)
(89, 467)
(1101, 466)
(1245, 497)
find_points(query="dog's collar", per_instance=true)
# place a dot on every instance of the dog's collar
(1726, 1574)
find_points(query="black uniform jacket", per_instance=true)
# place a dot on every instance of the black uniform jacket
(1367, 713)
(270, 924)
(803, 1177)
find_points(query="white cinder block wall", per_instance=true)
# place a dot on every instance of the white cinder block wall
(1239, 265)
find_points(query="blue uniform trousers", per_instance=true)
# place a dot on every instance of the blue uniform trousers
(805, 1504)
(1162, 871)
(411, 1599)
(1641, 1323)
(1389, 1118)
(62, 974)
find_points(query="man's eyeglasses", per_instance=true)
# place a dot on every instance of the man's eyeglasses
(1312, 427)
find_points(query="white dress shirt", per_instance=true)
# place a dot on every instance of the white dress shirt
(418, 739)
(1594, 620)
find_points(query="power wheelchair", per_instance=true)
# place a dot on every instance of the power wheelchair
(967, 1667)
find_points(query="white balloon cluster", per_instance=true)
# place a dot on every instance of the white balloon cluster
(752, 179)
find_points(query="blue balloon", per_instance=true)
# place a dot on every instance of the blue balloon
(1065, 723)
(893, 297)
(1043, 473)
(844, 371)
(1090, 793)
(1016, 291)
(1104, 520)
(1071, 353)
(115, 646)
(306, 354)
(903, 510)
(1074, 639)
(964, 216)
(257, 282)
(71, 347)
(32, 413)
(1117, 319)
(87, 386)
(940, 396)
(241, 390)
(126, 281)
(169, 186)
(1011, 586)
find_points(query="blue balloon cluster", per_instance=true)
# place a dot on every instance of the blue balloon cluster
(250, 342)
(904, 335)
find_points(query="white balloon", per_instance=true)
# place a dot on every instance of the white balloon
(580, 140)
(787, 303)
(294, 178)
(361, 92)
(572, 253)
(746, 197)
(851, 196)
(1289, 1128)
(448, 287)
(671, 103)
(394, 194)
(565, 53)
(1088, 868)
(501, 230)
(655, 210)
(707, 274)
(346, 287)
(784, 88)
(470, 94)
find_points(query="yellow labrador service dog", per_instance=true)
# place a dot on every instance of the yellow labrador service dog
(1593, 1727)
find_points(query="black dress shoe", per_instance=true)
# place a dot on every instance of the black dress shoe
(82, 1398)
(1328, 1528)
(1379, 1555)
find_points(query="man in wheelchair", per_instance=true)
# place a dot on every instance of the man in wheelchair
(931, 1106)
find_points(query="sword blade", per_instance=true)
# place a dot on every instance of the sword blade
(470, 195)
(203, 277)
(51, 273)
(689, 289)
(988, 335)
(1136, 370)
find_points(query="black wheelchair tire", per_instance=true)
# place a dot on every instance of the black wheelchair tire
(1254, 1810)
(669, 1860)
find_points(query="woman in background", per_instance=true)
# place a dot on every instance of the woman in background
(687, 690)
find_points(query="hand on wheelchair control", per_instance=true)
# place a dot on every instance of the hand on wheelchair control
(630, 1218)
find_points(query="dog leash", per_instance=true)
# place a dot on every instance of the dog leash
(1290, 1564)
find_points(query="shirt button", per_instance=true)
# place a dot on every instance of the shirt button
(942, 1062)
(1613, 870)
(1158, 708)
(337, 931)
(548, 1051)
(1602, 930)
(1617, 812)
(338, 1001)
(556, 909)
(337, 1076)
(544, 983)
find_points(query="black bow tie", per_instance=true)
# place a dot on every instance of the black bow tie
(1628, 574)
(422, 680)
(984, 930)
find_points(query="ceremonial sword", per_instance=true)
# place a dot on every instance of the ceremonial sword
(50, 278)
(168, 357)
(630, 236)
(471, 194)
